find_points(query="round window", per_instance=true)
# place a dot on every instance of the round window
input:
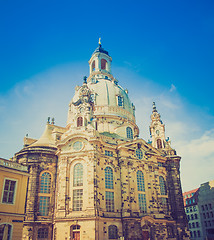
(139, 154)
(77, 145)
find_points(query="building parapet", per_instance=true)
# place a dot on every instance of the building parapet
(13, 165)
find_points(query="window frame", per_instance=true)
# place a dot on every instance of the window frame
(109, 178)
(162, 185)
(159, 144)
(77, 203)
(42, 195)
(42, 188)
(120, 101)
(93, 66)
(140, 181)
(109, 201)
(139, 154)
(78, 175)
(14, 192)
(79, 121)
(142, 202)
(77, 191)
(112, 232)
(44, 233)
(11, 228)
(129, 133)
(103, 64)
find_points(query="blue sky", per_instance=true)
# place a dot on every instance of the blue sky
(162, 51)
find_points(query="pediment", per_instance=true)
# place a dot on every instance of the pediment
(142, 144)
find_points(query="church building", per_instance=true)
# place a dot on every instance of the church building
(95, 179)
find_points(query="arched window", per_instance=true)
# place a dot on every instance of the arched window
(141, 192)
(45, 183)
(162, 186)
(139, 154)
(140, 182)
(78, 175)
(120, 101)
(43, 233)
(112, 232)
(75, 232)
(79, 121)
(103, 64)
(78, 187)
(5, 231)
(129, 133)
(109, 178)
(93, 66)
(45, 193)
(159, 144)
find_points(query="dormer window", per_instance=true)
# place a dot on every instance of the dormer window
(79, 121)
(103, 64)
(120, 101)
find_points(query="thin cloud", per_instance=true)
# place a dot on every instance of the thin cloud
(173, 88)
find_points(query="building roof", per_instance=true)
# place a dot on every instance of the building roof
(101, 50)
(46, 139)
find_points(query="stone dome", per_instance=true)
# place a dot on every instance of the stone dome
(104, 94)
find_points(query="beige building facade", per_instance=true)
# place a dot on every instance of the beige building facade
(95, 178)
(13, 188)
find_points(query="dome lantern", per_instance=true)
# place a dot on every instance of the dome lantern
(100, 60)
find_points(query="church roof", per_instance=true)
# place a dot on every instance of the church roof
(46, 140)
(101, 50)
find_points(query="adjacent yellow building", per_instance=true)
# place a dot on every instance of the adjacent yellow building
(13, 187)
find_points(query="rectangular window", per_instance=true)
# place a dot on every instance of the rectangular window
(44, 203)
(77, 199)
(43, 233)
(110, 201)
(9, 191)
(142, 202)
(164, 203)
(199, 233)
(109, 153)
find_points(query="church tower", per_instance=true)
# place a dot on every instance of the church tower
(157, 130)
(95, 179)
